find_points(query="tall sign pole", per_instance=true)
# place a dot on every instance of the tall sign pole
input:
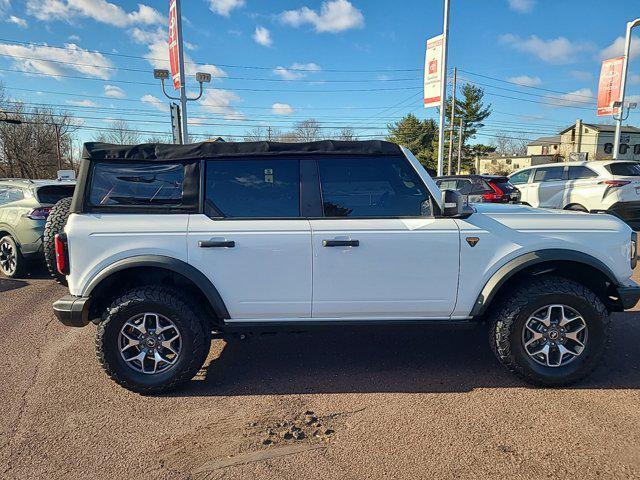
(176, 60)
(623, 85)
(452, 125)
(443, 88)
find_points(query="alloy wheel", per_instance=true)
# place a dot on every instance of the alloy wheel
(149, 343)
(555, 335)
(8, 258)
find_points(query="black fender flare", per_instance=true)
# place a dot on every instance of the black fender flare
(168, 263)
(529, 259)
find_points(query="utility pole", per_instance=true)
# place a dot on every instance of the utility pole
(443, 87)
(623, 85)
(57, 128)
(459, 148)
(183, 83)
(269, 133)
(453, 119)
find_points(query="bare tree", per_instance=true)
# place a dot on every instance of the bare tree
(509, 145)
(346, 133)
(307, 130)
(118, 133)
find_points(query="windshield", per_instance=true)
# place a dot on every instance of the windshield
(624, 169)
(54, 193)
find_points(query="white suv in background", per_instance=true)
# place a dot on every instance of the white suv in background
(612, 186)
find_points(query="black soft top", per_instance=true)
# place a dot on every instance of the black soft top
(194, 151)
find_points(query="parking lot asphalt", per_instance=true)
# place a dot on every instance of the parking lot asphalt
(428, 402)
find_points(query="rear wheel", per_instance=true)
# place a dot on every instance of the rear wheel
(550, 331)
(11, 260)
(152, 340)
(56, 222)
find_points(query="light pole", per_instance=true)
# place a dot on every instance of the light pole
(623, 85)
(443, 88)
(201, 77)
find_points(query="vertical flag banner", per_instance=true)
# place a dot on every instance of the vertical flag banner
(174, 59)
(609, 86)
(433, 72)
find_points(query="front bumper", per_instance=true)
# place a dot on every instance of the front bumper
(629, 296)
(72, 311)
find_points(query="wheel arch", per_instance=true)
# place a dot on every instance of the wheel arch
(158, 268)
(576, 265)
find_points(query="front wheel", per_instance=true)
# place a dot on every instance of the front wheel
(550, 331)
(152, 340)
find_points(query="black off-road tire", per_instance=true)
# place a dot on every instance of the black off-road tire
(20, 261)
(56, 221)
(194, 328)
(508, 317)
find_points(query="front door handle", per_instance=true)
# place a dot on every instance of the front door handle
(216, 244)
(341, 243)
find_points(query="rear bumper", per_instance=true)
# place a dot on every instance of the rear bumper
(72, 311)
(629, 296)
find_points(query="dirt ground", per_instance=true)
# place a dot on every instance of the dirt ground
(428, 402)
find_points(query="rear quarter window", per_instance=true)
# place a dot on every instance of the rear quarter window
(116, 184)
(52, 194)
(624, 169)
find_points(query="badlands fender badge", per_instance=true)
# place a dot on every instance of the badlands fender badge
(472, 241)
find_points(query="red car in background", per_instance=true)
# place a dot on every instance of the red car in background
(481, 188)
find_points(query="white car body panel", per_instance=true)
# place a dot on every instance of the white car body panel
(97, 240)
(268, 272)
(509, 231)
(391, 274)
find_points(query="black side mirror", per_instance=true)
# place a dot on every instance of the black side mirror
(454, 204)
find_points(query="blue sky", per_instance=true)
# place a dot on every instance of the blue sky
(358, 62)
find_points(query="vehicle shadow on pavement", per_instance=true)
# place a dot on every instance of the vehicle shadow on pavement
(8, 284)
(403, 359)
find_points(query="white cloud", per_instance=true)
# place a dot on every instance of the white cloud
(21, 22)
(296, 71)
(262, 36)
(74, 38)
(556, 50)
(158, 53)
(521, 6)
(155, 102)
(40, 60)
(221, 102)
(224, 7)
(82, 103)
(335, 16)
(577, 98)
(99, 10)
(281, 109)
(5, 5)
(114, 92)
(616, 49)
(526, 81)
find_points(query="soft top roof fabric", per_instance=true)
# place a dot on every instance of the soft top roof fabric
(194, 151)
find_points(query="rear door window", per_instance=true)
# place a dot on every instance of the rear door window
(520, 177)
(581, 172)
(548, 174)
(464, 187)
(254, 188)
(137, 184)
(8, 195)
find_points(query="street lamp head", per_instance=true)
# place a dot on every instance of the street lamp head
(617, 104)
(202, 77)
(160, 74)
(632, 104)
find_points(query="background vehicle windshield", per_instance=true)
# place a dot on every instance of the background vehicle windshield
(54, 193)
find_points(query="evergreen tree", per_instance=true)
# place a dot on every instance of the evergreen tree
(471, 109)
(419, 136)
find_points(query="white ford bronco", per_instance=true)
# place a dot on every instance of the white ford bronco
(166, 244)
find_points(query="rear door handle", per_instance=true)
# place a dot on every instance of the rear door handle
(216, 244)
(341, 243)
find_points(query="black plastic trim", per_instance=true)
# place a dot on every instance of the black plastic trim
(528, 259)
(629, 296)
(174, 265)
(72, 311)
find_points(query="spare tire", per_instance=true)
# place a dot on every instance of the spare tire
(55, 224)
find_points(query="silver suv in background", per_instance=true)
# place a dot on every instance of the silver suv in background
(592, 186)
(24, 207)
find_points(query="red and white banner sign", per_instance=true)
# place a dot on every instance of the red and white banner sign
(609, 87)
(433, 72)
(174, 59)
